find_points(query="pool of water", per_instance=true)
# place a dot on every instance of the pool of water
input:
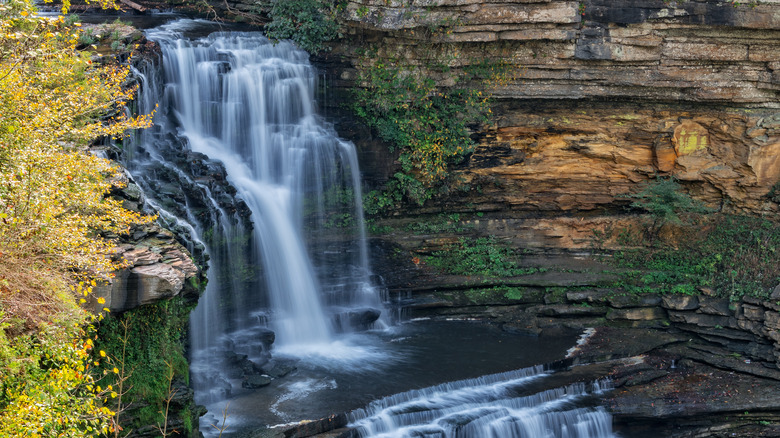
(361, 368)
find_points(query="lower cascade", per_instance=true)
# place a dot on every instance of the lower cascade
(498, 405)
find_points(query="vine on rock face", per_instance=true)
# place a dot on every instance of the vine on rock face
(427, 124)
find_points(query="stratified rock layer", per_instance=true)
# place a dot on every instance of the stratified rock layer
(157, 268)
(598, 96)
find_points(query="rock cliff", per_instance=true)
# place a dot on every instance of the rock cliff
(600, 96)
(158, 268)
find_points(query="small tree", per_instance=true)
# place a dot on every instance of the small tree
(664, 199)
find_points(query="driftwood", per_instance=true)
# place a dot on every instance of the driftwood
(133, 5)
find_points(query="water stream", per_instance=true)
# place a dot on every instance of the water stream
(297, 270)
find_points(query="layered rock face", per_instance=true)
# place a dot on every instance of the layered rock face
(601, 95)
(158, 268)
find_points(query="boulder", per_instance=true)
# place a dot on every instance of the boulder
(256, 381)
(356, 319)
(363, 318)
(277, 368)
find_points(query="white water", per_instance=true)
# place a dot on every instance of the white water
(234, 100)
(250, 105)
(490, 406)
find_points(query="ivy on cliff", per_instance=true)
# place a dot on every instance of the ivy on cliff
(142, 346)
(309, 23)
(427, 124)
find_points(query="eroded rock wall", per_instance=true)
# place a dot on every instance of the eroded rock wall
(601, 95)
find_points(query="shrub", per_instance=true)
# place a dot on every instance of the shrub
(664, 199)
(427, 125)
(309, 23)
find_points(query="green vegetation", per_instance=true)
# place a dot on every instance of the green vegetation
(496, 292)
(54, 212)
(426, 124)
(143, 355)
(309, 23)
(664, 200)
(774, 193)
(483, 256)
(734, 256)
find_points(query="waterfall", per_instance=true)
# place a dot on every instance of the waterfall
(498, 405)
(240, 161)
(233, 106)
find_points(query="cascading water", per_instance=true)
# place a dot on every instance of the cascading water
(494, 406)
(234, 101)
(249, 104)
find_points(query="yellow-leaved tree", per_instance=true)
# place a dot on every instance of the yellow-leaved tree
(54, 211)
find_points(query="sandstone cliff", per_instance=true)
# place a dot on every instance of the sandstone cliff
(602, 96)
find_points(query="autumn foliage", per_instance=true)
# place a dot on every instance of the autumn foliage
(55, 217)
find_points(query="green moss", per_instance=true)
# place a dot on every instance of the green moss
(513, 293)
(476, 296)
(151, 347)
(186, 416)
(555, 295)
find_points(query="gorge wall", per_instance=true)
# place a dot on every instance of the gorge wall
(600, 97)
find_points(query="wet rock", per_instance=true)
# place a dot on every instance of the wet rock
(728, 360)
(266, 336)
(232, 358)
(183, 395)
(363, 318)
(277, 368)
(219, 387)
(720, 332)
(644, 377)
(311, 428)
(256, 381)
(248, 367)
